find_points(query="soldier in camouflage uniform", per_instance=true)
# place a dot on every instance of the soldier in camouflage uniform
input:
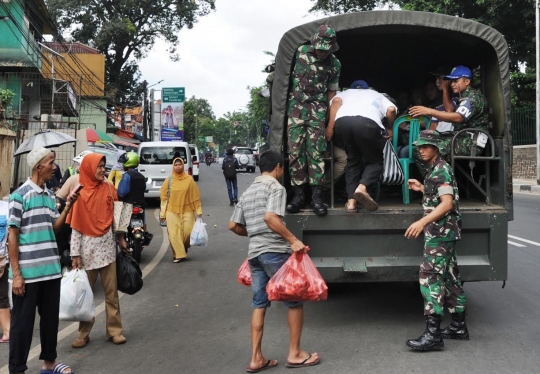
(440, 282)
(315, 81)
(471, 111)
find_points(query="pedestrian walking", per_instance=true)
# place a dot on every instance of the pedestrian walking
(259, 215)
(35, 265)
(440, 283)
(229, 167)
(362, 119)
(315, 80)
(93, 246)
(180, 203)
(5, 316)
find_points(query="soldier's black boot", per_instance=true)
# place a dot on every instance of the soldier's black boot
(298, 200)
(457, 329)
(431, 339)
(317, 201)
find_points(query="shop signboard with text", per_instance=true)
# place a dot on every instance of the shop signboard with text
(172, 113)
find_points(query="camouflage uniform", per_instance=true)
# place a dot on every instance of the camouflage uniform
(312, 78)
(472, 105)
(440, 282)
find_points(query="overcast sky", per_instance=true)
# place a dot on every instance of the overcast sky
(223, 53)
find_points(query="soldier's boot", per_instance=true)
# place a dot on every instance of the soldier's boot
(457, 329)
(431, 339)
(298, 200)
(317, 201)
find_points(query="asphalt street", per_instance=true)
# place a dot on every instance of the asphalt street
(193, 317)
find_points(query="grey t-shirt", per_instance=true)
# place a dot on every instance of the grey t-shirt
(264, 195)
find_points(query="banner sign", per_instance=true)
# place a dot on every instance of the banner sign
(172, 113)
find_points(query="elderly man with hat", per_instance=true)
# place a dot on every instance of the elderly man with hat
(468, 110)
(440, 282)
(315, 80)
(35, 271)
(361, 118)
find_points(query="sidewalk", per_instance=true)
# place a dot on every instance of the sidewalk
(526, 186)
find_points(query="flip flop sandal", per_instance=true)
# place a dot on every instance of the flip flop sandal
(58, 369)
(268, 365)
(4, 340)
(304, 363)
(366, 201)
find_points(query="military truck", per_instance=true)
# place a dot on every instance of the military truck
(394, 51)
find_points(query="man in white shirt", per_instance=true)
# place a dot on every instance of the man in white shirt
(356, 116)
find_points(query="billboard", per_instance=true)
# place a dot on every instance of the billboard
(172, 113)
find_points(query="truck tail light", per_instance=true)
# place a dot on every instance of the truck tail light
(190, 171)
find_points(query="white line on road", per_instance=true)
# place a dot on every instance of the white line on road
(524, 240)
(516, 244)
(34, 352)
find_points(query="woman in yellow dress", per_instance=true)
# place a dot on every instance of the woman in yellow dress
(179, 207)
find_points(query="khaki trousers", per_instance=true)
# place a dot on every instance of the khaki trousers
(112, 305)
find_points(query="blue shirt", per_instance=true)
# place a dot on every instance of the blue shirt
(125, 185)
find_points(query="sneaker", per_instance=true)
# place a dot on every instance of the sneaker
(235, 201)
(118, 339)
(232, 203)
(80, 342)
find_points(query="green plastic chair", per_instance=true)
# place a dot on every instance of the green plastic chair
(405, 163)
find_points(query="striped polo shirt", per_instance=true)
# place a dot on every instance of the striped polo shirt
(264, 195)
(32, 209)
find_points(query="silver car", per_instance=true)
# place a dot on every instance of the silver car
(245, 158)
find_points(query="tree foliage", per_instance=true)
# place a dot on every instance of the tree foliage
(198, 117)
(514, 19)
(126, 29)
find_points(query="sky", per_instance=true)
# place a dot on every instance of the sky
(223, 53)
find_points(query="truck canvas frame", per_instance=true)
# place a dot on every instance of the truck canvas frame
(394, 51)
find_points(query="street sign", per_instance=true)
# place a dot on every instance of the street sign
(209, 139)
(173, 95)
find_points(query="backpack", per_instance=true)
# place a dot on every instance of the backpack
(229, 170)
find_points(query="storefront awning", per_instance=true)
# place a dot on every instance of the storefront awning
(126, 142)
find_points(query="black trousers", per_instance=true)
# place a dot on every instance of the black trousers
(362, 140)
(45, 296)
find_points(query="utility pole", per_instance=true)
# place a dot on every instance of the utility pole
(145, 108)
(152, 114)
(537, 25)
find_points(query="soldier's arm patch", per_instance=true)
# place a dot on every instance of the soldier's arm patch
(445, 189)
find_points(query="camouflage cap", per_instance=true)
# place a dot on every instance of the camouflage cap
(325, 39)
(428, 137)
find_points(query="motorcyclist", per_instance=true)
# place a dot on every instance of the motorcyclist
(133, 184)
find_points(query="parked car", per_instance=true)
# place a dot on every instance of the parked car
(156, 159)
(245, 158)
(195, 160)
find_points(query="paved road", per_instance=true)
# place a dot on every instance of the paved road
(193, 317)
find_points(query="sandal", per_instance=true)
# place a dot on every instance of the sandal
(349, 210)
(58, 368)
(177, 260)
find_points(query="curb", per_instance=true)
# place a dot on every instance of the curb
(526, 188)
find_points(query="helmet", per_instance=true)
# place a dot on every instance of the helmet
(129, 160)
(81, 155)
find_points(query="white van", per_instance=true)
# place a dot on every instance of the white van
(155, 163)
(195, 159)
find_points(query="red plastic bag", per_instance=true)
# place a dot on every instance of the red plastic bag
(297, 280)
(244, 274)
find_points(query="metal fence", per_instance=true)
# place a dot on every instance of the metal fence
(524, 126)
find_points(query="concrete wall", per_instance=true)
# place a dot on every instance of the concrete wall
(524, 165)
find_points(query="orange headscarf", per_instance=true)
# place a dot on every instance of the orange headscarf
(93, 212)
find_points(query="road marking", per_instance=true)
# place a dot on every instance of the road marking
(524, 240)
(516, 244)
(34, 352)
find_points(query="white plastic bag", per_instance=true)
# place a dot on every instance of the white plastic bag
(199, 236)
(76, 297)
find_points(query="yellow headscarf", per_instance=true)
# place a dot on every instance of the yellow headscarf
(184, 195)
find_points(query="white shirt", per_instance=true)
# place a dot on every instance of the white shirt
(365, 103)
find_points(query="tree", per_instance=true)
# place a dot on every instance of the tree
(196, 112)
(125, 29)
(514, 19)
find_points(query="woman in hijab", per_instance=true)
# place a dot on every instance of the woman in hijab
(179, 207)
(93, 247)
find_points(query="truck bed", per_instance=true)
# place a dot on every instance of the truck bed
(349, 247)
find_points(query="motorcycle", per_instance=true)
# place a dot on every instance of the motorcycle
(208, 161)
(136, 238)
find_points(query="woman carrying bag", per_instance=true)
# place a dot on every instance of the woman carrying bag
(180, 202)
(93, 247)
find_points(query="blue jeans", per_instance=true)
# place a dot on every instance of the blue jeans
(230, 185)
(263, 267)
